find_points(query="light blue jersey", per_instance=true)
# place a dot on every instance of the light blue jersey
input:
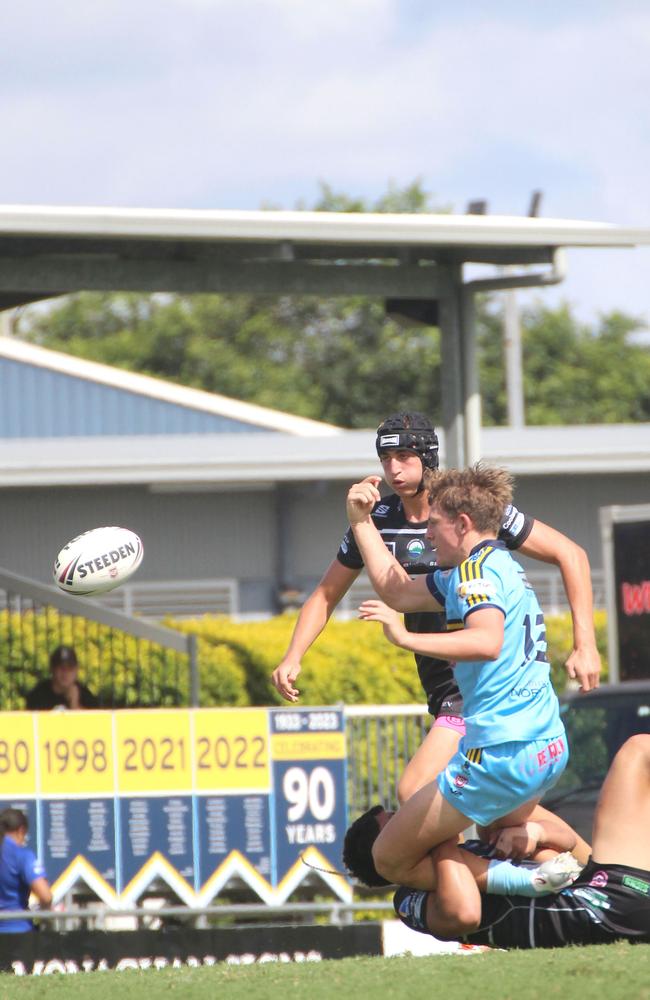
(510, 698)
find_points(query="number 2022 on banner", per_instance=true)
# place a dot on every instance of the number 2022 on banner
(231, 750)
(75, 753)
(17, 756)
(153, 751)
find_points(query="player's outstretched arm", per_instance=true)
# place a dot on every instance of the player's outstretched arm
(480, 639)
(551, 546)
(313, 617)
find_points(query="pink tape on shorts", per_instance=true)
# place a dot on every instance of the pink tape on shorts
(455, 722)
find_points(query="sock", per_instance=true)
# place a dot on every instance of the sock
(411, 907)
(506, 879)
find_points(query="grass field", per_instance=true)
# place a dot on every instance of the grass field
(614, 972)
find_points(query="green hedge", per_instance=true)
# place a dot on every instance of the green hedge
(350, 662)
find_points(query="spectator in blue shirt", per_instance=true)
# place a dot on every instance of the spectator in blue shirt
(21, 873)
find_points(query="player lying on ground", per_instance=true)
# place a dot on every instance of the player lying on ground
(515, 746)
(608, 901)
(407, 445)
(543, 838)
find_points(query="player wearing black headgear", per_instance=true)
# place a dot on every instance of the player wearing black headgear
(409, 432)
(406, 444)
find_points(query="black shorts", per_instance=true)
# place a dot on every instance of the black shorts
(606, 903)
(436, 676)
(443, 696)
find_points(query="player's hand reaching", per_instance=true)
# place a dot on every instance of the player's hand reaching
(361, 498)
(583, 665)
(516, 842)
(377, 611)
(284, 677)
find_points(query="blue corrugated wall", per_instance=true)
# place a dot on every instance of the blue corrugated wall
(36, 402)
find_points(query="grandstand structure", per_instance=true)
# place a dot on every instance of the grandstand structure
(225, 495)
(415, 263)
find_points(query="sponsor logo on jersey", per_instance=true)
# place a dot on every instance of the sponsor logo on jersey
(476, 588)
(600, 879)
(637, 884)
(344, 544)
(594, 897)
(460, 780)
(415, 548)
(528, 692)
(383, 510)
(513, 520)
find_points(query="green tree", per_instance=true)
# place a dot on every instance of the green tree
(573, 374)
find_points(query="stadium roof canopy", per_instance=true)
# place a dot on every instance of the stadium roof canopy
(414, 262)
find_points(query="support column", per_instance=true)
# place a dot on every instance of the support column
(472, 392)
(452, 369)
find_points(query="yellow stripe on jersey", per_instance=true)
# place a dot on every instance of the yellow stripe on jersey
(474, 755)
(453, 625)
(470, 570)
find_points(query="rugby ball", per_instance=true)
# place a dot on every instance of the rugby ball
(97, 561)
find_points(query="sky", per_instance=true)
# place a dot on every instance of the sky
(248, 103)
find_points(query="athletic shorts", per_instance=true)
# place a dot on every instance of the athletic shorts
(487, 783)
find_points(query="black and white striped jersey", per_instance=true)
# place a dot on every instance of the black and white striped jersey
(408, 543)
(605, 903)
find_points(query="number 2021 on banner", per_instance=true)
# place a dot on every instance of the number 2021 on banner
(75, 753)
(153, 751)
(17, 756)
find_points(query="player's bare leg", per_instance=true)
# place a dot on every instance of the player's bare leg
(455, 907)
(401, 851)
(622, 818)
(431, 757)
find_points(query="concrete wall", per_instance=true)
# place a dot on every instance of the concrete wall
(208, 535)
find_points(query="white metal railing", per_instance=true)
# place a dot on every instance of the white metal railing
(181, 598)
(187, 598)
(547, 584)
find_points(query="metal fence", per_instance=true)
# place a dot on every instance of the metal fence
(381, 739)
(124, 661)
(547, 584)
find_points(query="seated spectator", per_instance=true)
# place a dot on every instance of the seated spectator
(20, 872)
(61, 689)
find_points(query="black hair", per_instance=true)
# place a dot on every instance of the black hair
(357, 848)
(12, 820)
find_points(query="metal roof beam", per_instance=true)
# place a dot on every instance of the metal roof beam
(53, 276)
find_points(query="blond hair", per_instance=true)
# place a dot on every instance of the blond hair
(482, 492)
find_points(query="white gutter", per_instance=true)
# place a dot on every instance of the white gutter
(314, 227)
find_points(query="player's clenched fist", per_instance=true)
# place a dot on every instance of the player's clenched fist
(362, 497)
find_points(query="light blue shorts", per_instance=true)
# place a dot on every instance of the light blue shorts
(488, 783)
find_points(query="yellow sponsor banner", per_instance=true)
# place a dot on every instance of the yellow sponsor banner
(75, 753)
(231, 749)
(308, 746)
(153, 749)
(17, 755)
